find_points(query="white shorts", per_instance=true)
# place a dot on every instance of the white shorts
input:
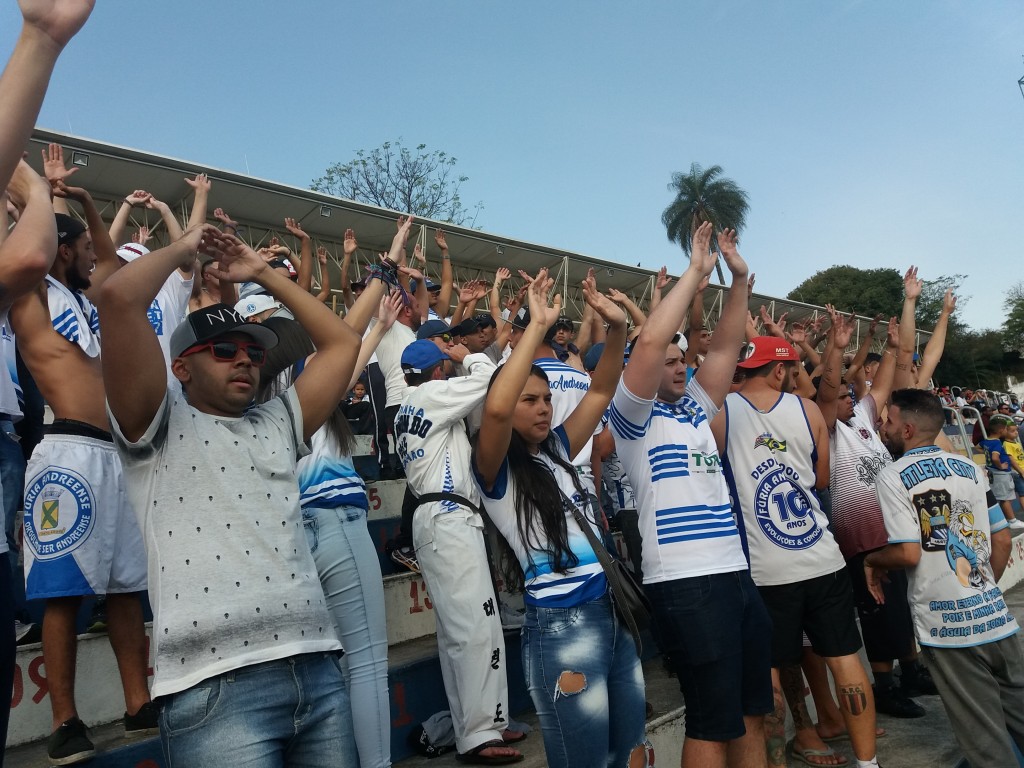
(81, 536)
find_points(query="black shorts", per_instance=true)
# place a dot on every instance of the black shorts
(888, 629)
(712, 630)
(822, 607)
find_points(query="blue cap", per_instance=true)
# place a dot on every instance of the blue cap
(431, 285)
(593, 356)
(432, 328)
(421, 355)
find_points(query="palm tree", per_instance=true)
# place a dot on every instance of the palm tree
(704, 195)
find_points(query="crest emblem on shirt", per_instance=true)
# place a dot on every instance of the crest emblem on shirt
(933, 513)
(864, 433)
(768, 441)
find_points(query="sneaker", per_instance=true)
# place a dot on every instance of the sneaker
(69, 744)
(1015, 525)
(406, 557)
(144, 722)
(27, 633)
(917, 681)
(894, 702)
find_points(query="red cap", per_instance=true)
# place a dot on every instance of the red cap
(762, 350)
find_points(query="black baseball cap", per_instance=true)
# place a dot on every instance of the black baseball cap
(212, 322)
(68, 229)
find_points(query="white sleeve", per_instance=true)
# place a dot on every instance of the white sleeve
(629, 415)
(702, 398)
(898, 512)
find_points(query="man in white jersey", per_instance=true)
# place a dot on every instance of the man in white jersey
(775, 449)
(245, 655)
(447, 533)
(709, 618)
(858, 455)
(955, 548)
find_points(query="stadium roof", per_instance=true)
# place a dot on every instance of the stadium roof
(111, 172)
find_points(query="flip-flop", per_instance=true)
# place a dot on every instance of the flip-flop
(473, 757)
(804, 755)
(845, 736)
(522, 735)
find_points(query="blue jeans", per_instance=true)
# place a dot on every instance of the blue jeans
(586, 682)
(350, 575)
(291, 712)
(12, 471)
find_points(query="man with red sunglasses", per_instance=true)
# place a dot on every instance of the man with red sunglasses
(242, 638)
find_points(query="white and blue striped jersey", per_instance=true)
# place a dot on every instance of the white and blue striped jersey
(770, 462)
(73, 316)
(670, 456)
(327, 478)
(544, 585)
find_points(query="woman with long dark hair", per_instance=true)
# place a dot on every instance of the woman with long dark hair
(580, 662)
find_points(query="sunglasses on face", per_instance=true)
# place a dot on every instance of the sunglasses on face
(445, 337)
(227, 351)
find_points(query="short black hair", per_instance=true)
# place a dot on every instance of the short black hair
(415, 379)
(873, 357)
(920, 407)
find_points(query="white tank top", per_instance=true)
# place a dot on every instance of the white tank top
(769, 462)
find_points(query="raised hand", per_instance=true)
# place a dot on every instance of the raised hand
(53, 164)
(701, 257)
(750, 285)
(912, 285)
(949, 301)
(295, 228)
(797, 333)
(892, 334)
(537, 296)
(404, 224)
(613, 293)
(236, 261)
(389, 308)
(321, 254)
(349, 244)
(137, 198)
(153, 204)
(525, 275)
(142, 236)
(727, 245)
(842, 331)
(440, 239)
(59, 20)
(22, 185)
(418, 255)
(662, 279)
(220, 215)
(704, 283)
(201, 182)
(412, 272)
(60, 189)
(603, 305)
(874, 324)
(501, 275)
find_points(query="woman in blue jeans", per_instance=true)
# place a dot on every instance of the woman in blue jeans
(580, 662)
(334, 508)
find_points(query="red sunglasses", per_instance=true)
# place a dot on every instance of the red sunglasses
(227, 351)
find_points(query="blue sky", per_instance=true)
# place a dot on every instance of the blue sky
(867, 133)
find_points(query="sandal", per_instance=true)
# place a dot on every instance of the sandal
(520, 736)
(473, 757)
(804, 756)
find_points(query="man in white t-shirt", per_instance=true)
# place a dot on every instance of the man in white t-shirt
(955, 547)
(710, 620)
(242, 637)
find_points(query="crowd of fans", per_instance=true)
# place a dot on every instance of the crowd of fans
(772, 483)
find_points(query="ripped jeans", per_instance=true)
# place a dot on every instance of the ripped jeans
(586, 683)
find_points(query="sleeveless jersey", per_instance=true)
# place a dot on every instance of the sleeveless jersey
(769, 462)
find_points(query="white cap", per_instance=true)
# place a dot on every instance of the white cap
(253, 305)
(129, 252)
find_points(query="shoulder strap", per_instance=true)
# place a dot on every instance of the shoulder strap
(426, 498)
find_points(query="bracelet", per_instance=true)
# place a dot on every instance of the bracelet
(444, 255)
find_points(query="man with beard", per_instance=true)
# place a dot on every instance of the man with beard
(81, 537)
(954, 547)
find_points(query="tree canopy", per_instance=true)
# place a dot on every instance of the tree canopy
(864, 291)
(393, 176)
(704, 194)
(1013, 325)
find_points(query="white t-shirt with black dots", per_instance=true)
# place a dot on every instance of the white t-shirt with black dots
(231, 579)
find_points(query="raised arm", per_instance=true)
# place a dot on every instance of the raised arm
(119, 225)
(134, 372)
(882, 384)
(349, 247)
(716, 372)
(228, 224)
(507, 387)
(660, 283)
(174, 230)
(387, 312)
(200, 198)
(57, 172)
(444, 300)
(635, 313)
(581, 423)
(325, 276)
(912, 286)
(359, 314)
(106, 254)
(500, 276)
(27, 253)
(937, 343)
(643, 372)
(305, 272)
(325, 378)
(828, 389)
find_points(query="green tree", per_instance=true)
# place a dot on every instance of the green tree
(702, 195)
(393, 176)
(1013, 326)
(864, 291)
